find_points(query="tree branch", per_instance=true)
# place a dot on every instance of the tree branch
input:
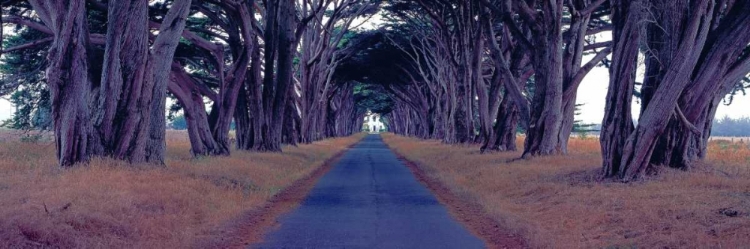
(28, 45)
(28, 23)
(597, 45)
(683, 119)
(591, 8)
(585, 69)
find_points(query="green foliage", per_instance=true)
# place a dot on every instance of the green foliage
(32, 109)
(372, 97)
(23, 79)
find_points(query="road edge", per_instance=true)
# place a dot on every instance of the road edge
(466, 212)
(251, 227)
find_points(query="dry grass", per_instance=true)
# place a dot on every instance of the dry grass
(109, 204)
(557, 202)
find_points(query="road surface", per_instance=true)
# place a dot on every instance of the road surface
(370, 199)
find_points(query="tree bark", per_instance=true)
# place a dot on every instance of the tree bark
(122, 107)
(133, 84)
(278, 99)
(202, 142)
(542, 135)
(250, 113)
(686, 25)
(723, 62)
(159, 65)
(618, 122)
(67, 77)
(504, 135)
(233, 79)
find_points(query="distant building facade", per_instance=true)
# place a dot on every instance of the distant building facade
(372, 123)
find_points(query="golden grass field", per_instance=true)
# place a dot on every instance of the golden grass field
(557, 202)
(109, 204)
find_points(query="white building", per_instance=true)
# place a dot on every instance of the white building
(372, 123)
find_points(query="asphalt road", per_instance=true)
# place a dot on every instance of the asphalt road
(370, 199)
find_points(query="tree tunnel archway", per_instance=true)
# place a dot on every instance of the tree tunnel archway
(299, 71)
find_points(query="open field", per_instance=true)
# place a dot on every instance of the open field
(557, 202)
(109, 204)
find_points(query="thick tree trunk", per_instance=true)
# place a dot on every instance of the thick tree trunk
(461, 117)
(272, 134)
(680, 30)
(122, 110)
(679, 146)
(130, 117)
(202, 142)
(618, 122)
(514, 106)
(133, 84)
(506, 131)
(542, 135)
(234, 79)
(504, 135)
(291, 125)
(250, 110)
(223, 109)
(67, 77)
(243, 120)
(160, 62)
(723, 62)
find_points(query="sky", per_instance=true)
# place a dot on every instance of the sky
(6, 109)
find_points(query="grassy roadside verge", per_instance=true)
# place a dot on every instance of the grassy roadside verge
(112, 205)
(557, 202)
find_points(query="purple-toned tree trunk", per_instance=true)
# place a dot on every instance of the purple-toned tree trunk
(190, 95)
(669, 69)
(542, 135)
(133, 83)
(618, 122)
(67, 77)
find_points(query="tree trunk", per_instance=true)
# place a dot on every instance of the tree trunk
(202, 142)
(251, 115)
(244, 120)
(544, 127)
(234, 79)
(507, 130)
(286, 51)
(160, 62)
(504, 135)
(223, 109)
(67, 77)
(723, 62)
(680, 31)
(133, 84)
(122, 111)
(291, 125)
(132, 96)
(618, 122)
